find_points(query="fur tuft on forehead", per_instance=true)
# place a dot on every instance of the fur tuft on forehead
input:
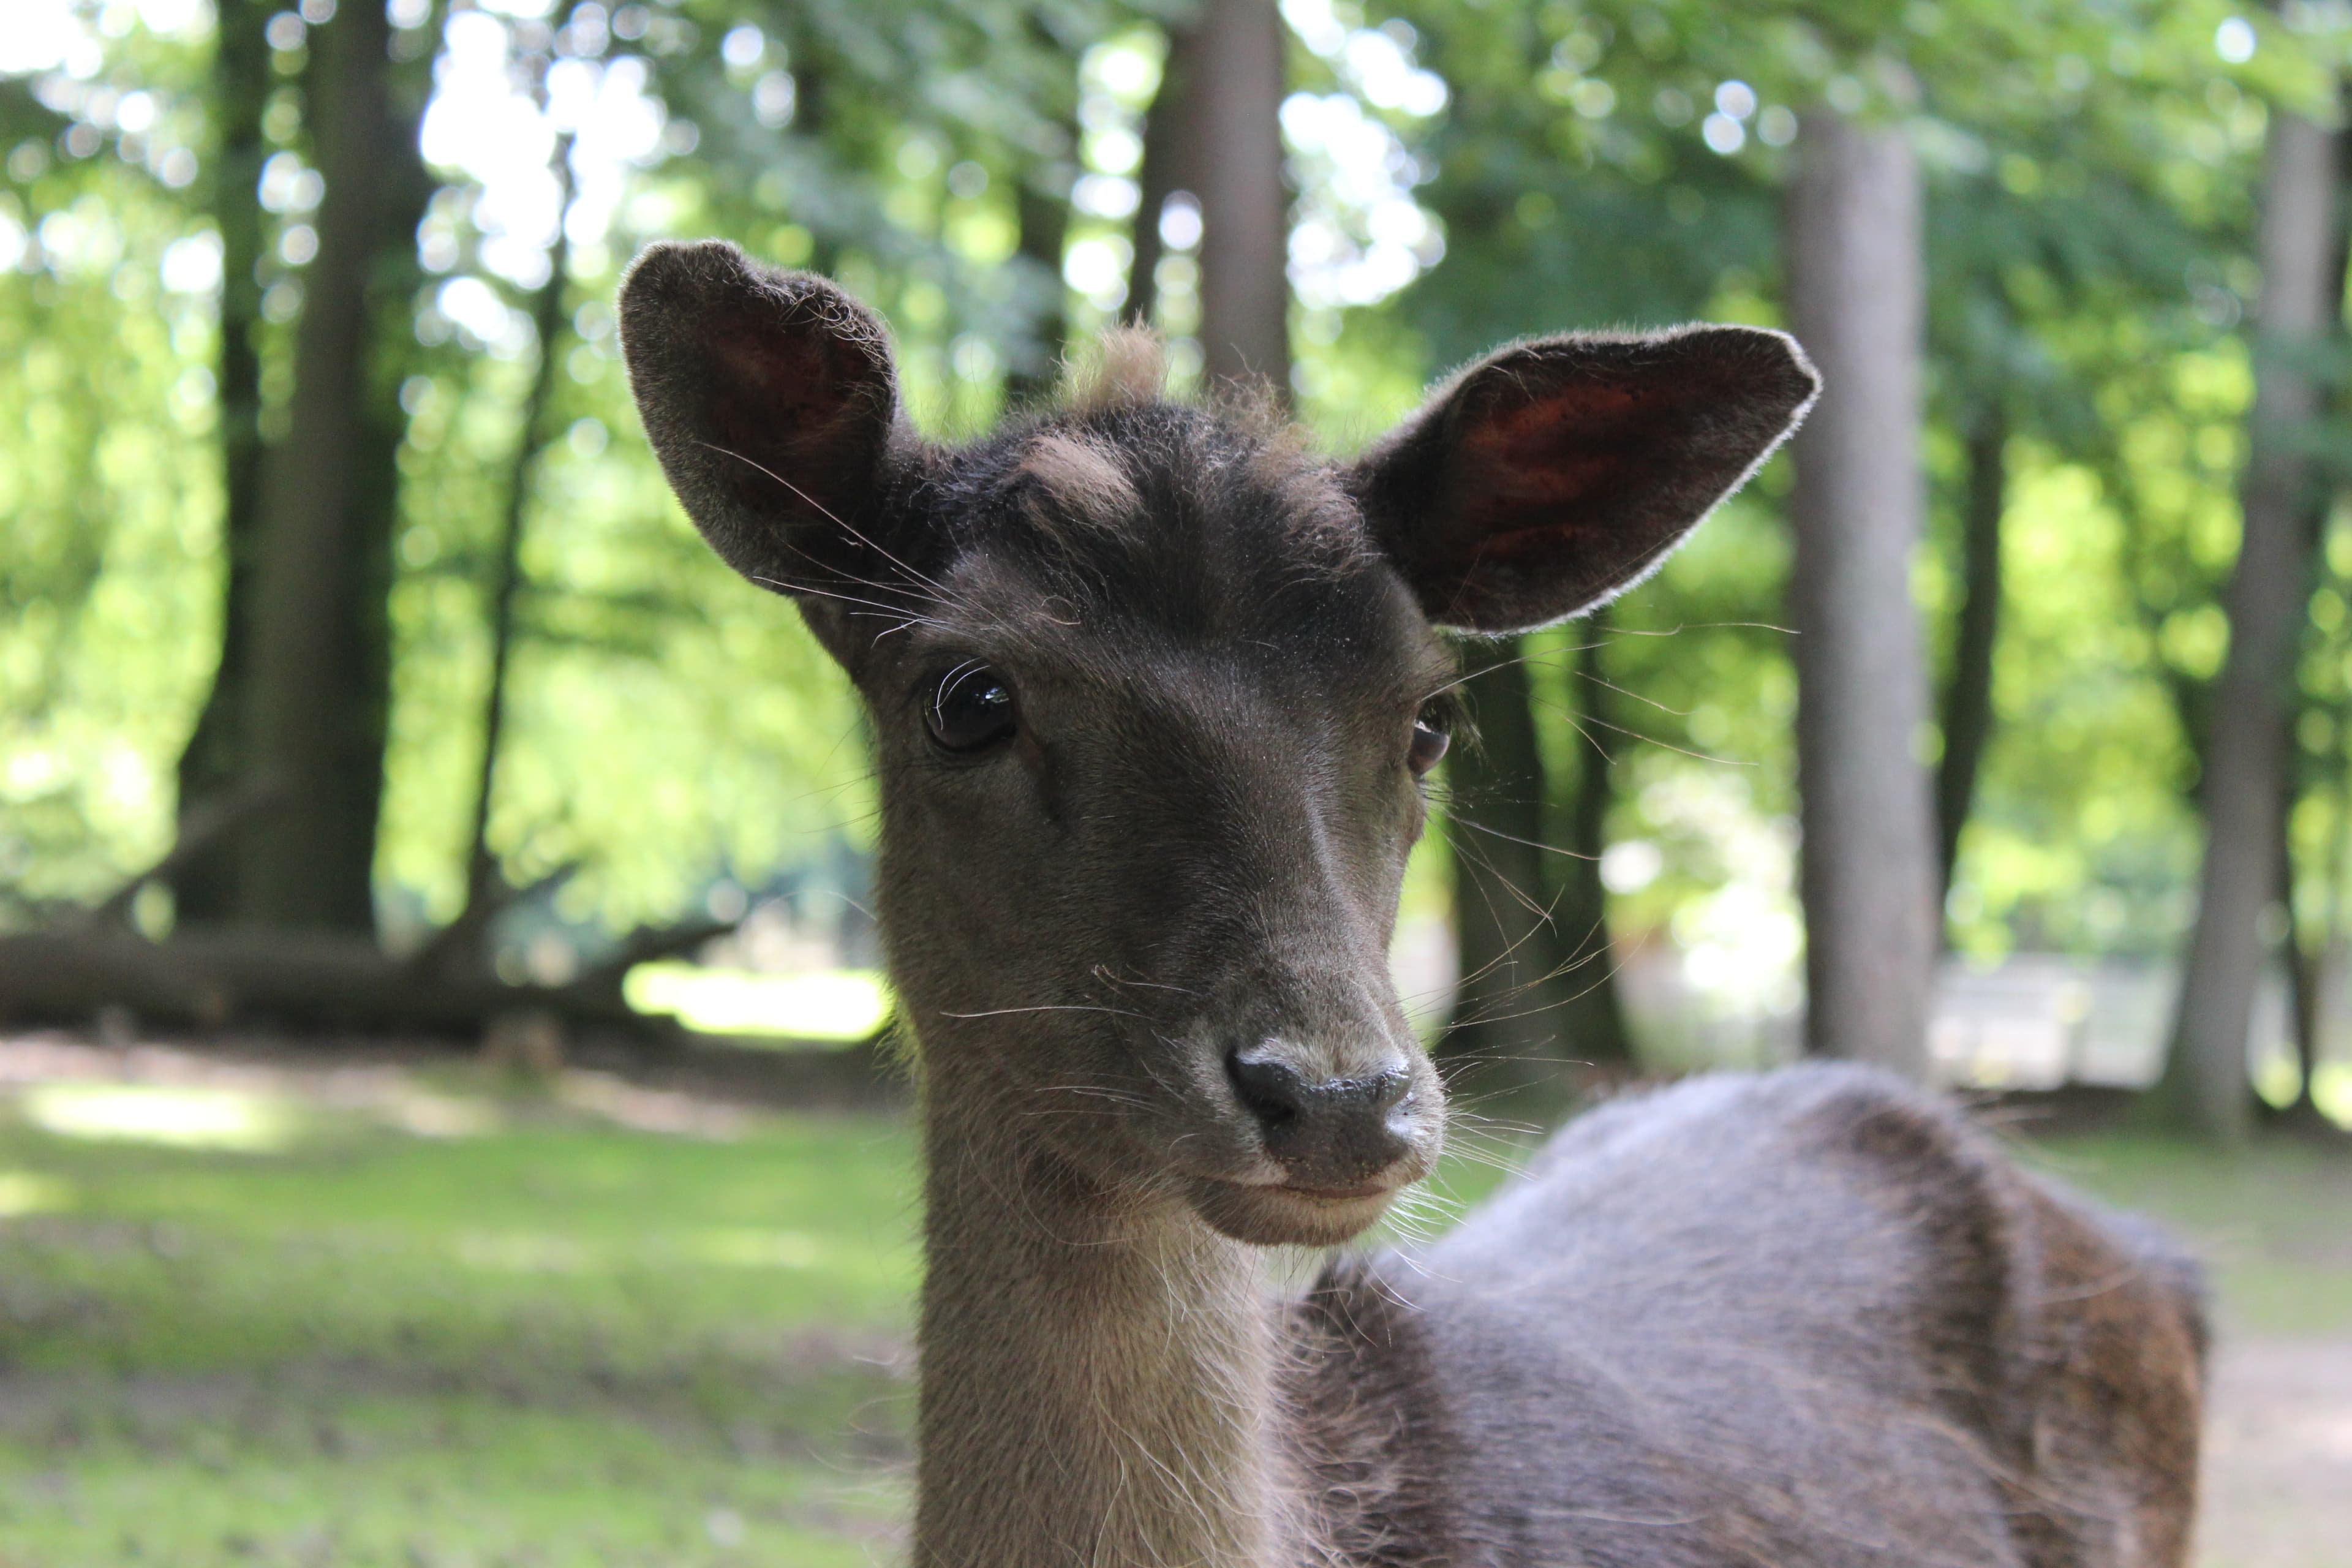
(1084, 478)
(1127, 365)
(1182, 513)
(1320, 519)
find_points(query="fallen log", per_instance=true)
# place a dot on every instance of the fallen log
(210, 978)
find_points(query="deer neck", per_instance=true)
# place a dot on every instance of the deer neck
(1097, 1377)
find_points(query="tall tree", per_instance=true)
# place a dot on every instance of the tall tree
(318, 687)
(2245, 753)
(1512, 963)
(1169, 149)
(2307, 947)
(1231, 116)
(1967, 716)
(1041, 204)
(1538, 973)
(2300, 955)
(212, 763)
(2327, 970)
(1593, 1012)
(1855, 301)
(483, 876)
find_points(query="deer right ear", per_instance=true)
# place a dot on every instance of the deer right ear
(1549, 478)
(769, 398)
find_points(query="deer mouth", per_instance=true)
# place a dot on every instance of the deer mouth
(1287, 1214)
(1342, 1194)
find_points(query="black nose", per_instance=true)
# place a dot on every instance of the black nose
(1332, 1132)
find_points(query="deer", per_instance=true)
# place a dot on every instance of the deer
(1155, 691)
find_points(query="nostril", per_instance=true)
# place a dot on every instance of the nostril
(1272, 1092)
(1331, 1131)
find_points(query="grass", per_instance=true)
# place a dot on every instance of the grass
(2272, 1224)
(556, 1344)
(555, 1341)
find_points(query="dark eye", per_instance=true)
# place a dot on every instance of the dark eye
(1429, 739)
(972, 710)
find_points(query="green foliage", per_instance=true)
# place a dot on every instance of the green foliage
(2082, 840)
(109, 578)
(667, 722)
(2091, 171)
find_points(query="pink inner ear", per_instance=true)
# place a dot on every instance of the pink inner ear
(1571, 451)
(1559, 477)
(764, 379)
(782, 400)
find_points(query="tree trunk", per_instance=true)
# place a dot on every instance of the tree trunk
(1168, 152)
(317, 687)
(2308, 954)
(1968, 699)
(2300, 957)
(2328, 971)
(1593, 1014)
(213, 763)
(1232, 123)
(2206, 1086)
(1505, 1006)
(1041, 204)
(483, 875)
(1855, 285)
(807, 46)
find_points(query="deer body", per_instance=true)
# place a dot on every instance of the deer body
(1154, 691)
(1601, 1368)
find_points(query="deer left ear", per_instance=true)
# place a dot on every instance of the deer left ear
(1549, 478)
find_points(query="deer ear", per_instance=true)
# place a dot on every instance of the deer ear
(769, 398)
(1548, 479)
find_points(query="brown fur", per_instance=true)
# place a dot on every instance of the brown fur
(1092, 1374)
(1138, 930)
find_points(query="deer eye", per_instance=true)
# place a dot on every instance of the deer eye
(1431, 736)
(970, 710)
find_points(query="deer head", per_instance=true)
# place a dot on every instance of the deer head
(1155, 692)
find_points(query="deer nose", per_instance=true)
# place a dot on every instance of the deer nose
(1334, 1132)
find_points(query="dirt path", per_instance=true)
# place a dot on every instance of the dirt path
(2278, 1457)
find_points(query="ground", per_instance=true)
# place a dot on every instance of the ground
(2275, 1226)
(305, 1310)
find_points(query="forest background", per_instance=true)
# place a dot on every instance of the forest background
(342, 606)
(363, 694)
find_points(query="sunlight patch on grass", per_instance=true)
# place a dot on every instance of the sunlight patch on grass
(845, 1004)
(423, 1114)
(524, 1254)
(179, 1116)
(533, 1252)
(29, 1192)
(757, 1249)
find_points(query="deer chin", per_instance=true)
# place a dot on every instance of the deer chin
(1277, 1214)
